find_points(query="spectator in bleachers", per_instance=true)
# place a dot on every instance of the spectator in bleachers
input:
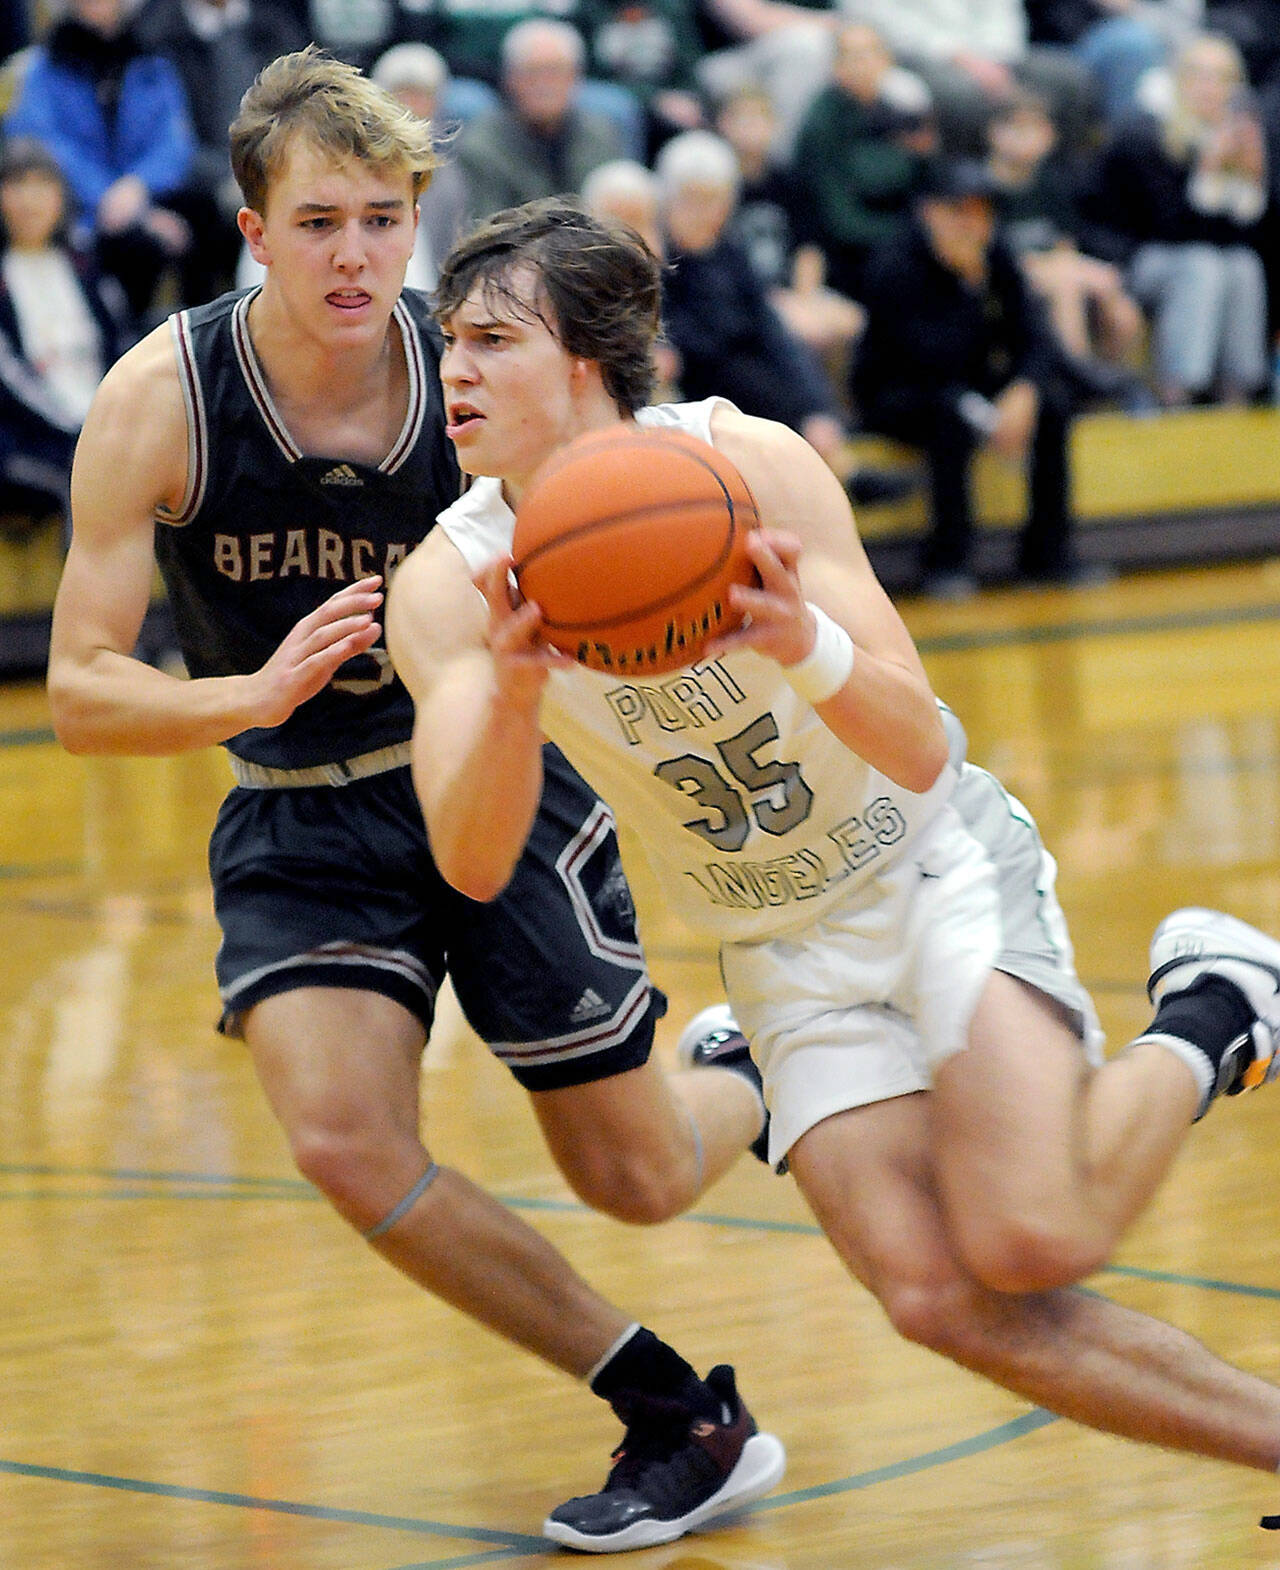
(729, 338)
(217, 48)
(60, 330)
(628, 191)
(1120, 41)
(958, 355)
(15, 27)
(859, 153)
(539, 141)
(768, 222)
(1098, 322)
(770, 213)
(417, 75)
(470, 34)
(652, 49)
(354, 30)
(1180, 200)
(1254, 27)
(1269, 236)
(115, 117)
(971, 53)
(784, 46)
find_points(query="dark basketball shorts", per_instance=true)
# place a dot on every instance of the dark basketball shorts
(334, 886)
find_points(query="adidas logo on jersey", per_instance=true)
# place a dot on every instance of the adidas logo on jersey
(589, 1006)
(341, 474)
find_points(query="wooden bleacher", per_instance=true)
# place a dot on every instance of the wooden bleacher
(1198, 485)
(1195, 485)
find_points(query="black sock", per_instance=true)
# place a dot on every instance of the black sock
(645, 1364)
(1211, 1013)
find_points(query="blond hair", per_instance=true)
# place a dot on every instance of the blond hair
(1182, 130)
(337, 109)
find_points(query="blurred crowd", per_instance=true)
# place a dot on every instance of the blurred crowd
(956, 223)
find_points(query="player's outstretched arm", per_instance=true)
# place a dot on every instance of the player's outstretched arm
(808, 555)
(475, 667)
(131, 459)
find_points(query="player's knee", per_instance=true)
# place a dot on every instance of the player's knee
(932, 1312)
(338, 1158)
(637, 1190)
(321, 1156)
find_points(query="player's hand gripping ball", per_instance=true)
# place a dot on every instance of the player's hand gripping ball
(628, 541)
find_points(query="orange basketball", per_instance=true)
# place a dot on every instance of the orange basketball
(628, 540)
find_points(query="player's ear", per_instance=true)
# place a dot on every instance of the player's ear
(251, 227)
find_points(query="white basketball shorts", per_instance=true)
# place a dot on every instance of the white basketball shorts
(868, 1001)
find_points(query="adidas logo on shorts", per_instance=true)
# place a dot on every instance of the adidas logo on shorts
(589, 1006)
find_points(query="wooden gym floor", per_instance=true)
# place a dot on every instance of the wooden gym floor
(200, 1367)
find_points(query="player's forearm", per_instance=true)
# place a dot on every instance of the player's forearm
(890, 719)
(116, 704)
(480, 780)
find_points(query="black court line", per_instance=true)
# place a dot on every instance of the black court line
(1097, 627)
(975, 638)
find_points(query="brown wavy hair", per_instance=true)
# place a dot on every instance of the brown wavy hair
(598, 286)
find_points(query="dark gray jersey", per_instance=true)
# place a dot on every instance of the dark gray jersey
(265, 533)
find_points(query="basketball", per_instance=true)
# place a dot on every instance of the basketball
(628, 541)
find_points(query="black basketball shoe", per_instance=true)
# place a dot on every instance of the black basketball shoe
(674, 1472)
(712, 1039)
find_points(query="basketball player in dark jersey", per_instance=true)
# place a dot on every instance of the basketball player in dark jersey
(278, 453)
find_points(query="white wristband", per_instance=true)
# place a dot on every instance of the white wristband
(825, 669)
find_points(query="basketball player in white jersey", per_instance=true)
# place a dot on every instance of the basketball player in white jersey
(931, 1063)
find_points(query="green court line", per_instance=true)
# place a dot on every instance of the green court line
(165, 1194)
(215, 1186)
(228, 1186)
(33, 736)
(39, 869)
(1204, 1283)
(140, 1175)
(510, 1542)
(1028, 1423)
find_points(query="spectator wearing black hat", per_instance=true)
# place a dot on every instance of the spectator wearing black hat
(958, 355)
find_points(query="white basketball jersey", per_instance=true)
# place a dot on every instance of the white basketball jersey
(755, 817)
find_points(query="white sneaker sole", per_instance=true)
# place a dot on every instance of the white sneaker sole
(1208, 941)
(760, 1468)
